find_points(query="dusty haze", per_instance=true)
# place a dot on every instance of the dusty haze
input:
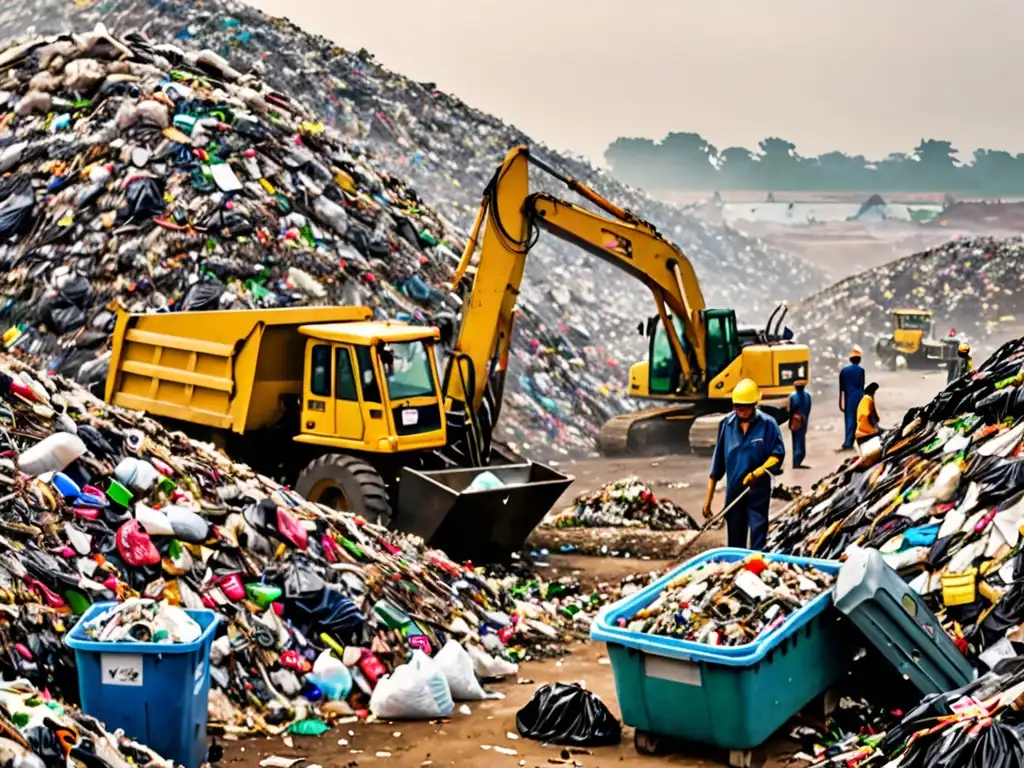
(866, 76)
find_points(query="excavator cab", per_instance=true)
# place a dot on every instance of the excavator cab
(371, 387)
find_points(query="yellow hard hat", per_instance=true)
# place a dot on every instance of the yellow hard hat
(800, 383)
(857, 351)
(746, 393)
(964, 348)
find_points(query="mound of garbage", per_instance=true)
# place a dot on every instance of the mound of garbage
(943, 502)
(972, 285)
(103, 504)
(578, 330)
(628, 503)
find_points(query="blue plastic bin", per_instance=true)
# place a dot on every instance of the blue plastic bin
(733, 697)
(156, 692)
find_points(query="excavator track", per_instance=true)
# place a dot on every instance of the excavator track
(653, 432)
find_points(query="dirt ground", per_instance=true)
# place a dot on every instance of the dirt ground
(463, 739)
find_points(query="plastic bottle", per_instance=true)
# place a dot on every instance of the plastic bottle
(51, 454)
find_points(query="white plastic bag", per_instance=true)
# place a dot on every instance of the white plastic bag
(457, 667)
(416, 691)
(488, 667)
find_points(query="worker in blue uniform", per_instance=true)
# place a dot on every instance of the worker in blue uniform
(799, 416)
(749, 446)
(851, 390)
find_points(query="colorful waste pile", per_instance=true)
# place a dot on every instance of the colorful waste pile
(971, 285)
(577, 333)
(38, 731)
(103, 504)
(943, 502)
(981, 724)
(730, 603)
(142, 620)
(628, 503)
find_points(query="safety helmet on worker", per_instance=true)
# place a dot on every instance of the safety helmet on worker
(964, 348)
(856, 351)
(800, 383)
(746, 393)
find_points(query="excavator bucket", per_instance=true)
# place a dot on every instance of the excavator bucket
(480, 525)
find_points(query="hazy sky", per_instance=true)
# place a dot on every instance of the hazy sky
(866, 76)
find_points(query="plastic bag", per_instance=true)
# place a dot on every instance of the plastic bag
(16, 211)
(144, 199)
(416, 691)
(485, 481)
(568, 715)
(457, 667)
(488, 667)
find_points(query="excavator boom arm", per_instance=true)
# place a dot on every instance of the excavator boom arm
(506, 227)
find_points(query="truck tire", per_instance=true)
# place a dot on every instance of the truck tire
(346, 484)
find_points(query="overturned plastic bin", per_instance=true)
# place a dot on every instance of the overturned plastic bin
(485, 525)
(895, 620)
(730, 697)
(155, 692)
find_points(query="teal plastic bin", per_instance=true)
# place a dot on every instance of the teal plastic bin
(735, 697)
(895, 620)
(156, 692)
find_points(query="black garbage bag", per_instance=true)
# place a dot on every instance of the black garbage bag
(144, 199)
(568, 715)
(202, 296)
(16, 211)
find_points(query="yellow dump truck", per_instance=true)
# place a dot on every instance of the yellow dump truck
(277, 387)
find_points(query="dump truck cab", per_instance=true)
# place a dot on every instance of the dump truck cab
(912, 327)
(371, 387)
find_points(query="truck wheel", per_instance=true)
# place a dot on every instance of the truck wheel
(346, 484)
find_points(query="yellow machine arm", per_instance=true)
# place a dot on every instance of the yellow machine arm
(512, 216)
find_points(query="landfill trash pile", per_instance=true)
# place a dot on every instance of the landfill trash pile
(38, 731)
(730, 603)
(102, 504)
(943, 501)
(577, 332)
(972, 285)
(628, 503)
(980, 724)
(142, 620)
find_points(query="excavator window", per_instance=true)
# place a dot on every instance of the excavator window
(409, 374)
(344, 376)
(722, 341)
(320, 371)
(914, 323)
(664, 367)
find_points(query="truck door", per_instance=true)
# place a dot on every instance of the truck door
(348, 412)
(318, 402)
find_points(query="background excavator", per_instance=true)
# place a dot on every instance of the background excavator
(353, 413)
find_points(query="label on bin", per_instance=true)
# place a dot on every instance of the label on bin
(121, 669)
(410, 417)
(685, 672)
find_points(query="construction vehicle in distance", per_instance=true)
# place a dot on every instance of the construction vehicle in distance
(667, 430)
(913, 338)
(342, 407)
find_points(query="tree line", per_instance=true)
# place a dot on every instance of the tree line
(688, 161)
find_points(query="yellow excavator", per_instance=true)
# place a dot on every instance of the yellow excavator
(353, 413)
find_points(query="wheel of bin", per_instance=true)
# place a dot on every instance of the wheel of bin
(648, 743)
(346, 484)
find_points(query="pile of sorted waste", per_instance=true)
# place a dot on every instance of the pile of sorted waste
(100, 504)
(577, 332)
(970, 284)
(730, 603)
(628, 503)
(143, 620)
(981, 724)
(943, 501)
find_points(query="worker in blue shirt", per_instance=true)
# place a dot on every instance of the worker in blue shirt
(851, 390)
(799, 415)
(749, 446)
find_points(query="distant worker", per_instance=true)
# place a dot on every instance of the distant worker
(851, 390)
(799, 415)
(963, 364)
(867, 415)
(749, 445)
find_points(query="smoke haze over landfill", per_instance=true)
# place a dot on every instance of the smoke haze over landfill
(870, 77)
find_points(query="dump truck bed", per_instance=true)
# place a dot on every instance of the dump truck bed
(223, 369)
